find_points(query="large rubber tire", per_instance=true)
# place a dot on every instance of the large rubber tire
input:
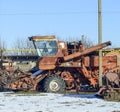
(112, 96)
(54, 84)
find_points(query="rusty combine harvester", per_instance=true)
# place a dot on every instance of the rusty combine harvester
(67, 66)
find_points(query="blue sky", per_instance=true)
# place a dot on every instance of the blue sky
(64, 18)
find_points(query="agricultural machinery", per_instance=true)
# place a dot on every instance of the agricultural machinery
(67, 66)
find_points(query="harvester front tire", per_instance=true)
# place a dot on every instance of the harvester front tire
(54, 84)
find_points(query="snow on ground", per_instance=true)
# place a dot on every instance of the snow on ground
(48, 102)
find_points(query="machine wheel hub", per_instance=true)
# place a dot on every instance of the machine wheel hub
(54, 86)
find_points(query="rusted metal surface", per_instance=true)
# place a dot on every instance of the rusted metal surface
(87, 51)
(111, 87)
(48, 63)
(42, 38)
(19, 80)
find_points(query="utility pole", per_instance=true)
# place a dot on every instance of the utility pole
(100, 39)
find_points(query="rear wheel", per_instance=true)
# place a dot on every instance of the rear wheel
(54, 84)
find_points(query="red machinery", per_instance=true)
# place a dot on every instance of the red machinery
(64, 66)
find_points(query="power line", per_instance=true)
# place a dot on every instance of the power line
(57, 13)
(46, 13)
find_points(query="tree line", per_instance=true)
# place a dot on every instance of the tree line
(25, 47)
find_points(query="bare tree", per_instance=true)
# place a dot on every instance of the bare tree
(2, 47)
(86, 42)
(2, 44)
(24, 47)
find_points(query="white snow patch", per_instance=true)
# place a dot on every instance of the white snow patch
(48, 102)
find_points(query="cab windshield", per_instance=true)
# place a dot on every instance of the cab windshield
(46, 47)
